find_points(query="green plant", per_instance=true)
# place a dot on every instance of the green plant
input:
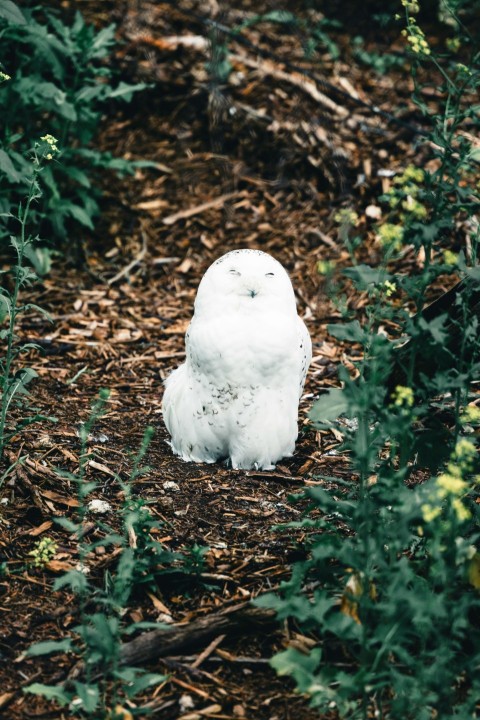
(347, 220)
(58, 79)
(194, 559)
(390, 581)
(380, 62)
(44, 551)
(105, 684)
(14, 380)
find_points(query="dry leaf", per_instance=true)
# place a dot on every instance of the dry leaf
(354, 587)
(474, 571)
(59, 566)
(70, 502)
(185, 266)
(347, 605)
(211, 710)
(40, 529)
(156, 204)
(158, 604)
(121, 713)
(102, 468)
(5, 698)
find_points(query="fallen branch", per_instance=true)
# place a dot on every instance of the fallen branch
(174, 640)
(265, 67)
(268, 68)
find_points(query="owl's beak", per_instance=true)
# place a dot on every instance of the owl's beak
(252, 293)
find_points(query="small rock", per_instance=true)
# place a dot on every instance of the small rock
(374, 212)
(80, 567)
(164, 618)
(165, 502)
(100, 507)
(186, 703)
(45, 441)
(98, 437)
(385, 172)
(172, 486)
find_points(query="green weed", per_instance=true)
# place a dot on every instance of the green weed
(14, 380)
(105, 685)
(380, 62)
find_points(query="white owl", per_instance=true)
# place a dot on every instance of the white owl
(247, 353)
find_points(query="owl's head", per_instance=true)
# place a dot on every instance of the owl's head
(245, 280)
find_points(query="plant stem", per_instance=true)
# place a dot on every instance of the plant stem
(10, 353)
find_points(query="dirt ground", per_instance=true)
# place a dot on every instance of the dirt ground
(262, 160)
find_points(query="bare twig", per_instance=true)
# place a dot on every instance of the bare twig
(208, 651)
(136, 261)
(197, 209)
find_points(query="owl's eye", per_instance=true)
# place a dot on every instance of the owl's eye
(269, 274)
(234, 272)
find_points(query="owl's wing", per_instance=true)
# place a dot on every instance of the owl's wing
(305, 353)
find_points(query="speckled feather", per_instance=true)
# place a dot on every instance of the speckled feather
(247, 354)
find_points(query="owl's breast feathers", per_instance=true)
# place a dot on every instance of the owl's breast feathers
(242, 350)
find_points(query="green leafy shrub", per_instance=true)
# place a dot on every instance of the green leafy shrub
(55, 80)
(390, 584)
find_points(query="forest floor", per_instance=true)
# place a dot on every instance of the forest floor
(264, 161)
